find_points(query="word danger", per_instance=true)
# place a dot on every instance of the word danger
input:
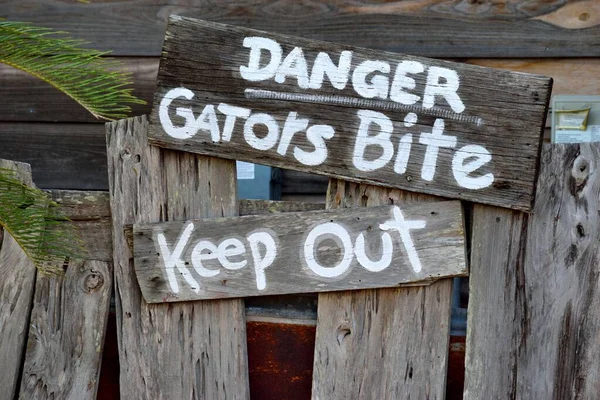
(259, 250)
(370, 78)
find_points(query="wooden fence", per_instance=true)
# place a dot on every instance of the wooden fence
(532, 292)
(533, 312)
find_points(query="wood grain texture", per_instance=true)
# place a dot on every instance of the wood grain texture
(504, 113)
(571, 76)
(62, 156)
(385, 343)
(201, 345)
(439, 247)
(495, 275)
(16, 294)
(66, 333)
(533, 308)
(33, 100)
(89, 211)
(431, 28)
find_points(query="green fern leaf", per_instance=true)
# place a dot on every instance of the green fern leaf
(83, 74)
(48, 239)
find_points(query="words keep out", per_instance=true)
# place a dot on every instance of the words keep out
(259, 250)
(375, 131)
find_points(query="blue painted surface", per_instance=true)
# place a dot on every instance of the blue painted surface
(265, 185)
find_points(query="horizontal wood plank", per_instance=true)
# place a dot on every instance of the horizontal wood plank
(32, 100)
(346, 125)
(62, 156)
(430, 28)
(299, 252)
(261, 207)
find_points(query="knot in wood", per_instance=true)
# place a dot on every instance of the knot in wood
(92, 282)
(125, 154)
(581, 168)
(584, 16)
(342, 333)
(579, 174)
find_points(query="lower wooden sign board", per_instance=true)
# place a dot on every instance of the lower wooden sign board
(315, 251)
(431, 126)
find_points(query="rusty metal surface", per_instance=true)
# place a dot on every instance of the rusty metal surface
(280, 358)
(108, 387)
(455, 380)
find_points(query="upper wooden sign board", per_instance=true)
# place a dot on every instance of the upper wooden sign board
(412, 123)
(314, 251)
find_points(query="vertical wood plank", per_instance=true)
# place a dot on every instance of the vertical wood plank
(16, 293)
(534, 308)
(386, 343)
(180, 350)
(66, 334)
(493, 333)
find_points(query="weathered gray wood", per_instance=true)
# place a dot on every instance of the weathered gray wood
(385, 343)
(66, 333)
(521, 28)
(16, 293)
(534, 300)
(90, 213)
(495, 117)
(495, 273)
(432, 251)
(178, 350)
(68, 320)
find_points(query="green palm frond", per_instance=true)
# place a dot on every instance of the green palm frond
(83, 74)
(34, 221)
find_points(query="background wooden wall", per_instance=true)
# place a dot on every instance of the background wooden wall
(66, 147)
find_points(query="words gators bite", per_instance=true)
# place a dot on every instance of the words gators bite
(411, 123)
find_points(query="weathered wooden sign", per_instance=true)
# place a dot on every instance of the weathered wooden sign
(388, 119)
(314, 251)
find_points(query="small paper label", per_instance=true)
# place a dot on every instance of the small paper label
(591, 134)
(570, 120)
(245, 170)
(576, 119)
